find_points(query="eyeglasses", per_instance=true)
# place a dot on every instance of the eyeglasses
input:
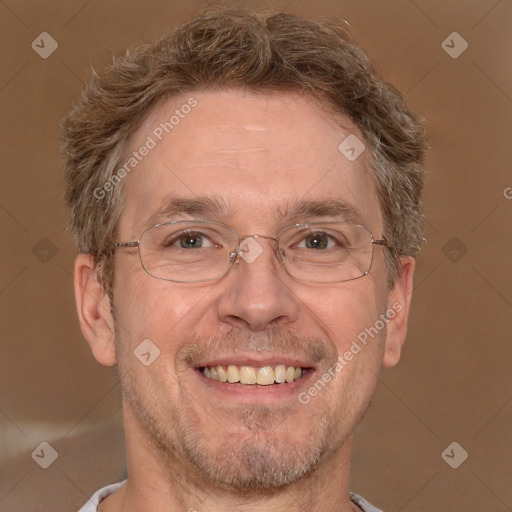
(190, 251)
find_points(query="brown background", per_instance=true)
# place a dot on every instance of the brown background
(453, 382)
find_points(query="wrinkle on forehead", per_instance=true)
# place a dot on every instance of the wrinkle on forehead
(253, 151)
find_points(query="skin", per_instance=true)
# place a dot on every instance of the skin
(190, 444)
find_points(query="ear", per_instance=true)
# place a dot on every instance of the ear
(94, 313)
(399, 301)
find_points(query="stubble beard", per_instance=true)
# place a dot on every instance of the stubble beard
(261, 460)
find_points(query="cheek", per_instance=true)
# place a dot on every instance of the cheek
(162, 311)
(345, 311)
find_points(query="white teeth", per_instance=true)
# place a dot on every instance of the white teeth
(247, 375)
(233, 374)
(223, 376)
(263, 375)
(280, 373)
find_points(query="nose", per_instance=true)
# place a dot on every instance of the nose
(257, 292)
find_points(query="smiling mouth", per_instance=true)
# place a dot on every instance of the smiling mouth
(251, 375)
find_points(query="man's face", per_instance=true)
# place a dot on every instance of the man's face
(257, 156)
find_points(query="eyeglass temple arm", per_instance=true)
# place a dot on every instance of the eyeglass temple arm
(125, 244)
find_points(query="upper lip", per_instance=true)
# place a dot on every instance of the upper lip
(256, 361)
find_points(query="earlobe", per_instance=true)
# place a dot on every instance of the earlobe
(399, 301)
(94, 310)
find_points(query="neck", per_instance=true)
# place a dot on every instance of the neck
(158, 484)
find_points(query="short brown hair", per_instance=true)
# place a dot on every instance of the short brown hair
(224, 48)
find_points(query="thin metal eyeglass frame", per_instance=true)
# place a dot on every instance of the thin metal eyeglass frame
(234, 256)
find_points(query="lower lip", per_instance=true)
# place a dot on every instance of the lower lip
(254, 393)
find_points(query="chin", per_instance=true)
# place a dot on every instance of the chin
(257, 464)
(270, 453)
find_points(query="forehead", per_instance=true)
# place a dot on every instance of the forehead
(256, 156)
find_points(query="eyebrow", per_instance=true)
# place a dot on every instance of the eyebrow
(189, 206)
(213, 205)
(326, 208)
